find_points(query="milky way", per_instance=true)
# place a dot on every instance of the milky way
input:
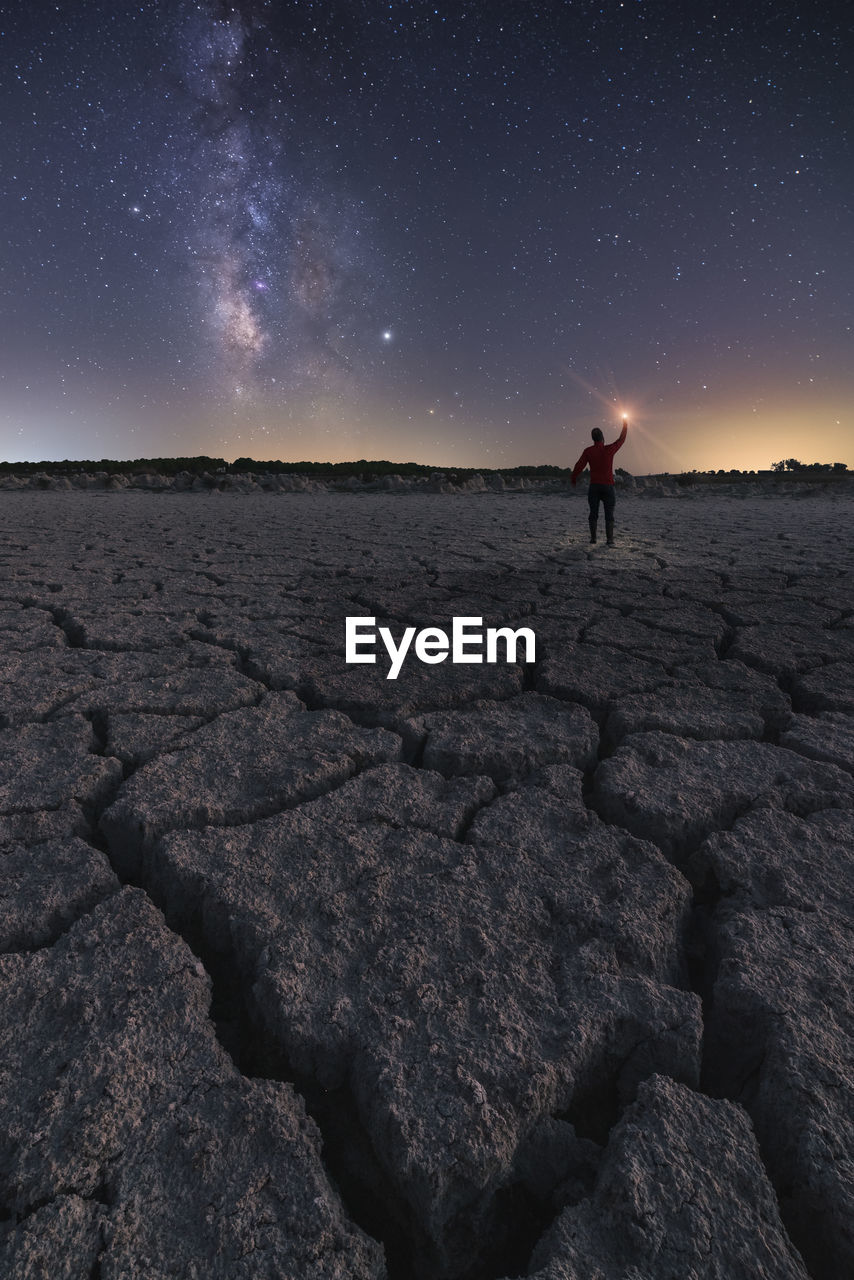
(228, 197)
(213, 215)
(272, 247)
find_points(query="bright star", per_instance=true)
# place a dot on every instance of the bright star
(387, 335)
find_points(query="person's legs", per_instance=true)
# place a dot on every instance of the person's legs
(593, 496)
(609, 501)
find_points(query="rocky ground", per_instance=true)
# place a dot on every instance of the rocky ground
(491, 970)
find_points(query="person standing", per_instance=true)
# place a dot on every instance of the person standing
(599, 456)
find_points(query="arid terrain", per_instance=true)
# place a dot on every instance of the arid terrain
(535, 968)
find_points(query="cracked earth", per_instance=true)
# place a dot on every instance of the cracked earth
(537, 969)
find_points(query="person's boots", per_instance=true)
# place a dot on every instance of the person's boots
(591, 520)
(609, 532)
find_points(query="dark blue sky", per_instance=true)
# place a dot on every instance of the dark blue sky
(449, 233)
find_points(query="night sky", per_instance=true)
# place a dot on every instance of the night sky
(459, 234)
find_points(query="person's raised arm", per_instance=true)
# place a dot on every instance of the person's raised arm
(623, 433)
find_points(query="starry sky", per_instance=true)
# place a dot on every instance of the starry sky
(458, 234)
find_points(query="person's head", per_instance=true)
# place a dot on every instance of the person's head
(597, 435)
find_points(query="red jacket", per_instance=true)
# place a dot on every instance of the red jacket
(601, 460)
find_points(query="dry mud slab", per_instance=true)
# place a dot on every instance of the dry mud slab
(531, 968)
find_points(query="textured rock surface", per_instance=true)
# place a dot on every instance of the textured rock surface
(459, 992)
(831, 688)
(681, 1195)
(129, 1141)
(828, 736)
(439, 915)
(598, 677)
(711, 701)
(46, 887)
(781, 1020)
(676, 791)
(507, 739)
(43, 765)
(245, 765)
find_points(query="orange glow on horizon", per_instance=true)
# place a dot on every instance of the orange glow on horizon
(724, 432)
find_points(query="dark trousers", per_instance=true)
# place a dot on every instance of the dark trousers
(605, 494)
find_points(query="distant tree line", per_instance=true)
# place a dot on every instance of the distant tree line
(792, 464)
(813, 470)
(377, 468)
(126, 467)
(363, 468)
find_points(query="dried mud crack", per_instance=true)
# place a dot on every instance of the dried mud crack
(536, 969)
